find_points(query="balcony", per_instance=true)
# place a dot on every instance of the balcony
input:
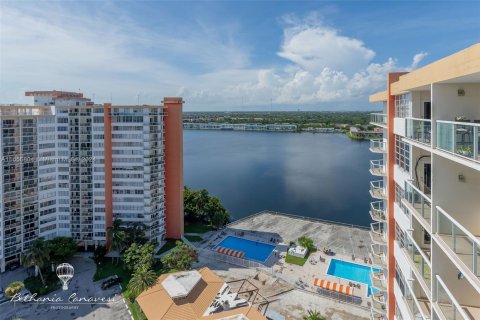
(419, 130)
(420, 260)
(378, 233)
(461, 242)
(419, 204)
(378, 280)
(378, 303)
(378, 119)
(418, 309)
(379, 259)
(377, 168)
(378, 146)
(460, 138)
(378, 212)
(377, 190)
(449, 306)
(377, 316)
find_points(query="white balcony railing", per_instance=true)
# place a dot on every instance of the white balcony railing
(419, 130)
(378, 302)
(447, 303)
(419, 202)
(378, 211)
(379, 259)
(461, 138)
(378, 190)
(377, 168)
(378, 146)
(461, 241)
(378, 233)
(378, 279)
(378, 119)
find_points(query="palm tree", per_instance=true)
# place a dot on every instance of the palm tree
(13, 289)
(117, 236)
(313, 315)
(142, 279)
(38, 256)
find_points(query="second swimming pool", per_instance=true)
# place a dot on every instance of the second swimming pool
(253, 250)
(351, 271)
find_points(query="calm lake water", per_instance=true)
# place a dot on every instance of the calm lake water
(315, 175)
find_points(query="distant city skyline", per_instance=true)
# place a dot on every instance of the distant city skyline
(226, 56)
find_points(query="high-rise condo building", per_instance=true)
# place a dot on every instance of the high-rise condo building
(70, 167)
(426, 234)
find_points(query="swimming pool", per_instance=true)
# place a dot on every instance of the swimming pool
(351, 271)
(253, 250)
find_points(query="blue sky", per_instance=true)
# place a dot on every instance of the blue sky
(226, 55)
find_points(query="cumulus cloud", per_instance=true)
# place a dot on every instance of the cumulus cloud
(315, 47)
(111, 54)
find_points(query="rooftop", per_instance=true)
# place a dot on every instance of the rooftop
(180, 284)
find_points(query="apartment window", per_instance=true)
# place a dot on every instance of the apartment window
(402, 154)
(399, 235)
(403, 105)
(400, 278)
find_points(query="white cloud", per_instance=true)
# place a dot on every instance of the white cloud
(315, 47)
(106, 52)
(417, 59)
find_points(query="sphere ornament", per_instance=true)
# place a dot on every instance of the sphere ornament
(65, 273)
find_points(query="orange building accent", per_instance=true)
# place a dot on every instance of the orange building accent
(392, 77)
(173, 125)
(107, 131)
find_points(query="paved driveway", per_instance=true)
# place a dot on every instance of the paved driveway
(83, 286)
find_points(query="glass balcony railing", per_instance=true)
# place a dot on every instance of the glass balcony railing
(463, 243)
(378, 233)
(420, 259)
(461, 138)
(419, 202)
(378, 146)
(415, 307)
(447, 303)
(377, 168)
(378, 119)
(378, 211)
(419, 130)
(378, 256)
(377, 189)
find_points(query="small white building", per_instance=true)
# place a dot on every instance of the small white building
(298, 251)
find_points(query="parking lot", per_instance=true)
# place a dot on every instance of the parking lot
(82, 286)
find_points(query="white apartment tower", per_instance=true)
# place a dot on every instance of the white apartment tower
(426, 232)
(70, 167)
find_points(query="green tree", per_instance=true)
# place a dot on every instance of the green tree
(180, 258)
(61, 249)
(117, 236)
(99, 254)
(142, 279)
(13, 289)
(220, 218)
(307, 243)
(135, 233)
(37, 256)
(214, 210)
(313, 315)
(139, 256)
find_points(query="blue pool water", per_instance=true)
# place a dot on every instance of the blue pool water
(351, 271)
(253, 250)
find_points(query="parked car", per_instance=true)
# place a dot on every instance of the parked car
(110, 282)
(13, 266)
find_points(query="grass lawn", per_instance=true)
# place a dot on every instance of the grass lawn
(167, 246)
(108, 268)
(295, 260)
(194, 238)
(34, 284)
(197, 228)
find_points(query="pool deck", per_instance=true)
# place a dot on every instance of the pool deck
(343, 240)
